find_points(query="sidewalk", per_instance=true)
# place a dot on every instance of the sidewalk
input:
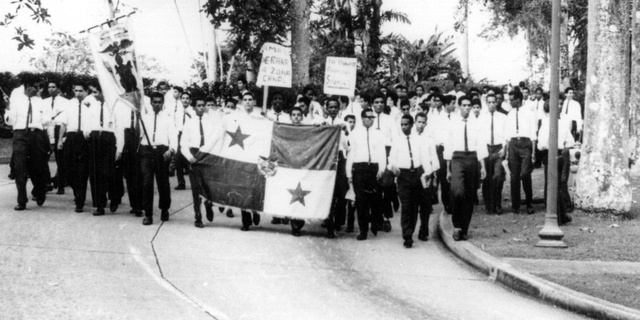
(524, 275)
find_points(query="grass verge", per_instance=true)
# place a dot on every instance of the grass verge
(619, 288)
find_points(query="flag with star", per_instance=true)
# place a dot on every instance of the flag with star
(278, 169)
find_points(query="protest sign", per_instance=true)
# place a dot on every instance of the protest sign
(275, 66)
(340, 76)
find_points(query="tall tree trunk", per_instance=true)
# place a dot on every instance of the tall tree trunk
(373, 51)
(634, 96)
(565, 62)
(300, 46)
(250, 73)
(464, 55)
(603, 179)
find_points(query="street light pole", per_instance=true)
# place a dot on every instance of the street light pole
(551, 235)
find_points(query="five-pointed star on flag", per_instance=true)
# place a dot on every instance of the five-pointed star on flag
(237, 138)
(298, 194)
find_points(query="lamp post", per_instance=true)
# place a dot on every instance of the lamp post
(551, 235)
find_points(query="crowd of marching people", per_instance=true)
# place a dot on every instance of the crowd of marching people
(400, 149)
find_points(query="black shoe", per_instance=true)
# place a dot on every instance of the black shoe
(229, 213)
(408, 244)
(221, 209)
(138, 213)
(12, 176)
(349, 230)
(40, 202)
(180, 187)
(516, 211)
(164, 215)
(276, 220)
(256, 218)
(132, 211)
(396, 204)
(331, 235)
(20, 207)
(60, 191)
(209, 210)
(456, 234)
(172, 173)
(49, 187)
(566, 219)
(530, 209)
(498, 210)
(423, 237)
(114, 206)
(285, 220)
(386, 226)
(361, 237)
(295, 233)
(245, 228)
(374, 229)
(147, 221)
(79, 209)
(463, 236)
(198, 224)
(99, 212)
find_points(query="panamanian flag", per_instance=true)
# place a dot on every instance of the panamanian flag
(278, 169)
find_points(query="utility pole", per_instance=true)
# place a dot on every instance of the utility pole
(551, 235)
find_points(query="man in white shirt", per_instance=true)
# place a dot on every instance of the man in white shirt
(572, 111)
(76, 122)
(521, 138)
(440, 122)
(276, 113)
(296, 120)
(58, 104)
(366, 163)
(247, 111)
(457, 90)
(493, 122)
(338, 208)
(156, 150)
(465, 149)
(537, 105)
(29, 116)
(385, 124)
(182, 165)
(410, 161)
(104, 146)
(196, 131)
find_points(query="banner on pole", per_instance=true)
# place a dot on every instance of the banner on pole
(113, 48)
(275, 66)
(340, 76)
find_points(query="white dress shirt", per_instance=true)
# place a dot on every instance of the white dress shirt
(422, 153)
(455, 138)
(385, 124)
(439, 122)
(279, 117)
(521, 123)
(572, 111)
(366, 145)
(191, 137)
(87, 110)
(499, 127)
(58, 105)
(18, 114)
(160, 130)
(565, 138)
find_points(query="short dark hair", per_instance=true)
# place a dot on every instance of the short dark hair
(332, 98)
(248, 93)
(349, 116)
(462, 98)
(421, 115)
(97, 85)
(521, 84)
(366, 97)
(412, 94)
(82, 84)
(539, 89)
(307, 88)
(30, 80)
(567, 89)
(363, 113)
(305, 100)
(227, 100)
(295, 109)
(179, 89)
(199, 98)
(157, 95)
(243, 80)
(476, 102)
(393, 96)
(435, 89)
(491, 95)
(526, 88)
(437, 95)
(344, 99)
(447, 99)
(185, 92)
(408, 117)
(378, 95)
(209, 99)
(162, 83)
(404, 102)
(517, 95)
(400, 87)
(56, 82)
(474, 89)
(419, 86)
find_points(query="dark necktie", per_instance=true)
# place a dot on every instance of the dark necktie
(79, 115)
(132, 119)
(101, 115)
(155, 122)
(410, 152)
(491, 128)
(201, 133)
(29, 114)
(368, 146)
(378, 122)
(449, 116)
(566, 107)
(52, 98)
(277, 117)
(517, 122)
(466, 141)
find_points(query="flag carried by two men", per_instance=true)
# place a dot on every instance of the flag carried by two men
(278, 169)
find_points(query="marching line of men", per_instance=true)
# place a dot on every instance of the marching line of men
(394, 149)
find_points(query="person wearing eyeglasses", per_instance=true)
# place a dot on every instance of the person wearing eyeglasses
(366, 163)
(28, 115)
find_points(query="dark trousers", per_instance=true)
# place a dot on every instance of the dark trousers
(196, 191)
(30, 154)
(368, 195)
(59, 156)
(564, 198)
(445, 186)
(521, 167)
(77, 161)
(389, 195)
(182, 164)
(494, 180)
(464, 181)
(413, 196)
(337, 214)
(101, 176)
(297, 224)
(128, 167)
(153, 165)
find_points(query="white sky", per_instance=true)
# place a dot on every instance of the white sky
(160, 34)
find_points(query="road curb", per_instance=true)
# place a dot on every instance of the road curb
(500, 271)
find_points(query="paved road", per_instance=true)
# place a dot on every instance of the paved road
(57, 264)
